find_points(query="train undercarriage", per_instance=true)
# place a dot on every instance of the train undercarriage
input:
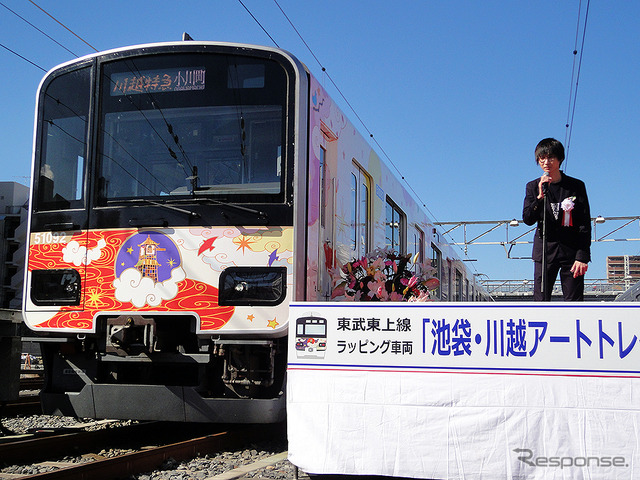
(146, 368)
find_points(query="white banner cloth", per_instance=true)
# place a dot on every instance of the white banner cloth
(465, 391)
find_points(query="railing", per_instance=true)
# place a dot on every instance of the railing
(524, 288)
(501, 232)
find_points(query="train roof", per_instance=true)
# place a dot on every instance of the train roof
(181, 43)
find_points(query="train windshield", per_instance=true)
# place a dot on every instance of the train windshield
(311, 327)
(64, 124)
(198, 124)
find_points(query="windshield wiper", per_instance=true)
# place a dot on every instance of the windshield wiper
(190, 213)
(157, 204)
(212, 201)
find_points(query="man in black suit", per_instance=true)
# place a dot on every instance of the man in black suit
(568, 232)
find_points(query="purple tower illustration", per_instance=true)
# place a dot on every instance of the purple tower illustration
(147, 262)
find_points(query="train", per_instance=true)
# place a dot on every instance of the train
(183, 195)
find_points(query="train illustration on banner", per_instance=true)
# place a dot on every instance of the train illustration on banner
(311, 336)
(183, 195)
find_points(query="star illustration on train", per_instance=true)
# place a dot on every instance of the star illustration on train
(273, 323)
(94, 299)
(243, 242)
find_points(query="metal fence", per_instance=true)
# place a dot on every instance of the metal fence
(594, 288)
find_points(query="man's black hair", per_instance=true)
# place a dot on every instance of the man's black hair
(549, 147)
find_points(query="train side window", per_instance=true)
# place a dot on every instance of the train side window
(360, 212)
(445, 283)
(354, 209)
(458, 286)
(395, 227)
(416, 248)
(436, 262)
(323, 173)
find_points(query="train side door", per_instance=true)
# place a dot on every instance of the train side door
(328, 188)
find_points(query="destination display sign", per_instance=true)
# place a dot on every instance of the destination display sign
(178, 79)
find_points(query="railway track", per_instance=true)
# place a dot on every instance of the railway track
(28, 403)
(24, 405)
(171, 442)
(31, 382)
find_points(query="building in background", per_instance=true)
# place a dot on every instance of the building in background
(623, 268)
(14, 200)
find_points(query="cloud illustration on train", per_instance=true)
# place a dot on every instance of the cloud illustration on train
(80, 255)
(133, 287)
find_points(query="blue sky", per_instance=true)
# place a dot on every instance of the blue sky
(456, 92)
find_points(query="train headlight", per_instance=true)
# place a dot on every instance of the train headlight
(253, 286)
(55, 287)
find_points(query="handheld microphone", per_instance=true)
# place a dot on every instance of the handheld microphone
(545, 185)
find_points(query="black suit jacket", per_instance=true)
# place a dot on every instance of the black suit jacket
(564, 243)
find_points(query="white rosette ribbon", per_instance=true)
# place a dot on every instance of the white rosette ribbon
(567, 206)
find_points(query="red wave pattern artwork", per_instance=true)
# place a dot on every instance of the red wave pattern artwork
(98, 293)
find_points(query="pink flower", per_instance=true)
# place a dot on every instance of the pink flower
(396, 297)
(378, 264)
(375, 286)
(409, 283)
(423, 297)
(382, 294)
(382, 275)
(338, 291)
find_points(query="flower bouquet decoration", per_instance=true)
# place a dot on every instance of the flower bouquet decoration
(383, 276)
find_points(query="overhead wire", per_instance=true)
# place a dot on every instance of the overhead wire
(575, 74)
(169, 127)
(64, 26)
(353, 110)
(80, 116)
(259, 24)
(23, 58)
(42, 32)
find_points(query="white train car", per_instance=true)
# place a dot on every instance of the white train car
(183, 195)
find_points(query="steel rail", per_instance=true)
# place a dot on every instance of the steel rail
(152, 458)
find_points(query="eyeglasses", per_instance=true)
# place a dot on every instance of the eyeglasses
(547, 159)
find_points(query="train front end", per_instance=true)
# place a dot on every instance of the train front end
(163, 252)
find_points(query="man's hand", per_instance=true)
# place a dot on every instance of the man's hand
(579, 269)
